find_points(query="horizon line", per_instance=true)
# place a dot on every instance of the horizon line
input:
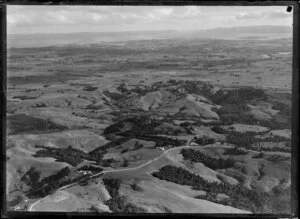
(166, 30)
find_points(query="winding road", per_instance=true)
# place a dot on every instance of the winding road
(128, 169)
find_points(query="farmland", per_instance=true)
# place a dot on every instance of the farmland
(194, 125)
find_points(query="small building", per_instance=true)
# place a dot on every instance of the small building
(84, 172)
(161, 148)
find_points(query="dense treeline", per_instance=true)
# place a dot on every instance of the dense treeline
(69, 155)
(213, 163)
(276, 138)
(118, 203)
(235, 134)
(219, 130)
(222, 97)
(235, 113)
(274, 149)
(240, 197)
(90, 168)
(49, 188)
(112, 185)
(75, 156)
(162, 141)
(235, 151)
(20, 123)
(258, 156)
(143, 125)
(204, 141)
(55, 177)
(247, 139)
(136, 124)
(43, 187)
(239, 96)
(238, 113)
(98, 152)
(31, 177)
(284, 109)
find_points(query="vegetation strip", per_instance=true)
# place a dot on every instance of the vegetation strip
(213, 163)
(118, 203)
(240, 197)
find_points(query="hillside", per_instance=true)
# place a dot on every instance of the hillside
(194, 125)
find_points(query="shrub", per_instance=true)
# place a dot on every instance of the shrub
(258, 156)
(90, 88)
(135, 187)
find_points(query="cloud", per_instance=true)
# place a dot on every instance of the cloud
(263, 15)
(163, 11)
(62, 15)
(190, 12)
(278, 14)
(78, 18)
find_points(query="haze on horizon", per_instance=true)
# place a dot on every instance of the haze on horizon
(72, 19)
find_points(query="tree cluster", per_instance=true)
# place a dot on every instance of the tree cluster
(24, 123)
(213, 163)
(244, 140)
(46, 185)
(90, 168)
(204, 141)
(118, 203)
(258, 156)
(69, 155)
(240, 197)
(235, 151)
(277, 149)
(238, 96)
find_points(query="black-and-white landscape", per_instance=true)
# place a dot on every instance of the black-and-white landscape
(124, 111)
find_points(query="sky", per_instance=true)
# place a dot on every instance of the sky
(69, 19)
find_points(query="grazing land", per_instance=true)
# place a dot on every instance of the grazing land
(151, 126)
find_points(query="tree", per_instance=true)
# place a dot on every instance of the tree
(125, 163)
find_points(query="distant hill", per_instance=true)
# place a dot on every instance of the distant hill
(268, 32)
(43, 40)
(251, 29)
